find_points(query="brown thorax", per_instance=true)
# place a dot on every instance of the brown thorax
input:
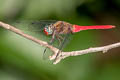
(62, 27)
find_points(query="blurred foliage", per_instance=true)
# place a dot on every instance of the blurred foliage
(21, 59)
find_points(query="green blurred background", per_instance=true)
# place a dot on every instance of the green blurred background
(21, 59)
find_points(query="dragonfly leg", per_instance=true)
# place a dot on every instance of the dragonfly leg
(46, 47)
(61, 46)
(59, 40)
(60, 37)
(51, 41)
(53, 36)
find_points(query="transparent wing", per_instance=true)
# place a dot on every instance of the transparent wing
(60, 45)
(34, 28)
(31, 25)
(64, 42)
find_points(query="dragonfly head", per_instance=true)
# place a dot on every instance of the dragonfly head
(48, 30)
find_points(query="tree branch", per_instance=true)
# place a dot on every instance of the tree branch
(62, 55)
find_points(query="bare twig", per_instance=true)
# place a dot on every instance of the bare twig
(85, 51)
(18, 31)
(62, 55)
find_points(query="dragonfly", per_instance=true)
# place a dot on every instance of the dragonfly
(61, 30)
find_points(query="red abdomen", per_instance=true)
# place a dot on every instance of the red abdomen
(77, 28)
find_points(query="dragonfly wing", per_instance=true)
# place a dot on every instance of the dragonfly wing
(64, 42)
(39, 25)
(34, 26)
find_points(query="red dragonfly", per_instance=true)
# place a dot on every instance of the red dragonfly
(60, 30)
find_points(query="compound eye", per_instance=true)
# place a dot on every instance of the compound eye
(45, 31)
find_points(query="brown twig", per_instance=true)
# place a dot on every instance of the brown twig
(85, 51)
(18, 31)
(62, 55)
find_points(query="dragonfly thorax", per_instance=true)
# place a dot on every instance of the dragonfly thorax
(48, 30)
